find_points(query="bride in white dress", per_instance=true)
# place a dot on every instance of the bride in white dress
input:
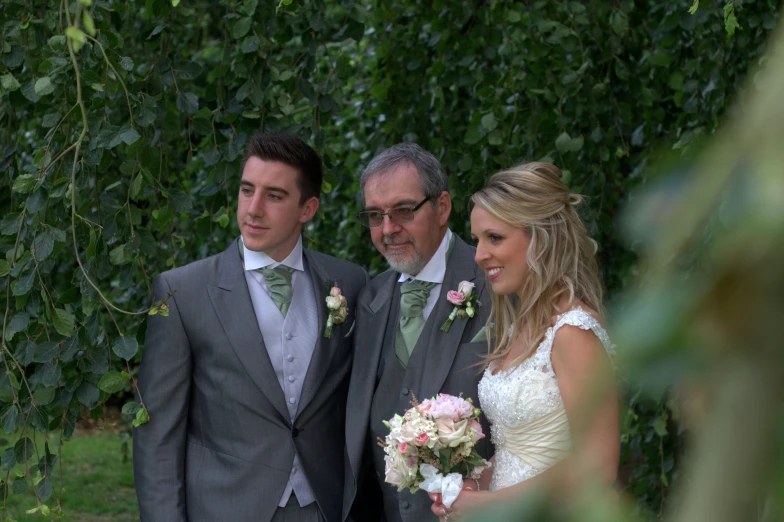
(547, 389)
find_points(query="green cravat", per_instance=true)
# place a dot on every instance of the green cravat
(413, 298)
(278, 281)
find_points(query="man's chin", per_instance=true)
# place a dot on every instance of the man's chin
(253, 244)
(406, 266)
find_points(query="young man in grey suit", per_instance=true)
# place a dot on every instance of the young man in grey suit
(245, 391)
(401, 351)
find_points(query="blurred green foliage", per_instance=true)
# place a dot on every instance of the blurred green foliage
(122, 124)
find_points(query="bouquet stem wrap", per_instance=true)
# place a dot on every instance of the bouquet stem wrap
(449, 486)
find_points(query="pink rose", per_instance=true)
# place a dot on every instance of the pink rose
(424, 406)
(402, 447)
(422, 439)
(456, 298)
(451, 407)
(477, 430)
(334, 291)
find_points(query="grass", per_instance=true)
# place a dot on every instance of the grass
(98, 485)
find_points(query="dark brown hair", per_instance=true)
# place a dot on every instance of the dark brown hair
(276, 146)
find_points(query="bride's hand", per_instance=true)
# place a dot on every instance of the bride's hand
(468, 500)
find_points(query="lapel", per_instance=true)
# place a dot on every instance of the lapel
(325, 349)
(367, 354)
(442, 346)
(381, 306)
(232, 303)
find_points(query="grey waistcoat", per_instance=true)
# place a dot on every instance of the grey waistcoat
(394, 390)
(290, 343)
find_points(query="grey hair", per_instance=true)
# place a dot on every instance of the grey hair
(432, 177)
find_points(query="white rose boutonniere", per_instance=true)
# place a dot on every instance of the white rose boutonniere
(337, 310)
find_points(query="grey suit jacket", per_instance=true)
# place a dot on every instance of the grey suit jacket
(220, 443)
(447, 369)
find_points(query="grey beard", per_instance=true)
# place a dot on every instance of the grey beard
(410, 266)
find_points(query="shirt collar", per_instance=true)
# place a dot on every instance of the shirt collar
(255, 260)
(435, 269)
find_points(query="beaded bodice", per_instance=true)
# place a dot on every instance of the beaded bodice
(529, 427)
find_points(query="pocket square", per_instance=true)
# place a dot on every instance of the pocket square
(481, 335)
(350, 330)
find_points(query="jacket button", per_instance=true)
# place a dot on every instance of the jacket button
(295, 432)
(404, 391)
(406, 505)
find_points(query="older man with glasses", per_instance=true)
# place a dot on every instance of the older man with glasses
(401, 351)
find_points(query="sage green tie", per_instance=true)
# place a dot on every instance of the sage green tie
(278, 281)
(413, 298)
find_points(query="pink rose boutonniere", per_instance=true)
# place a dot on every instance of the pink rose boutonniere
(462, 299)
(337, 310)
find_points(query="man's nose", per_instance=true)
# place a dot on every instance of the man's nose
(256, 207)
(388, 227)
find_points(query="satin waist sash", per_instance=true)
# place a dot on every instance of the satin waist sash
(541, 443)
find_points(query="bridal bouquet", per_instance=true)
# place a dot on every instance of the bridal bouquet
(431, 446)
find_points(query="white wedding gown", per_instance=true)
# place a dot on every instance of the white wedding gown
(529, 427)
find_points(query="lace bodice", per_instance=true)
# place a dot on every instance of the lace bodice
(523, 404)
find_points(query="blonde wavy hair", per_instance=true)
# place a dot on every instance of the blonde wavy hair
(561, 257)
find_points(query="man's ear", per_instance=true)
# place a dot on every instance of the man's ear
(309, 209)
(444, 207)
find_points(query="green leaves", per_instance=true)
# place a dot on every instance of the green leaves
(131, 408)
(112, 382)
(17, 324)
(141, 417)
(45, 352)
(730, 20)
(125, 347)
(63, 321)
(112, 136)
(44, 489)
(9, 82)
(77, 37)
(188, 103)
(43, 245)
(489, 122)
(180, 201)
(10, 421)
(281, 4)
(565, 143)
(120, 255)
(619, 22)
(87, 393)
(25, 183)
(241, 27)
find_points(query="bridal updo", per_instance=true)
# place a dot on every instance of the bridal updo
(561, 256)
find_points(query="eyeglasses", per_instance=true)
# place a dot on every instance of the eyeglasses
(398, 216)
